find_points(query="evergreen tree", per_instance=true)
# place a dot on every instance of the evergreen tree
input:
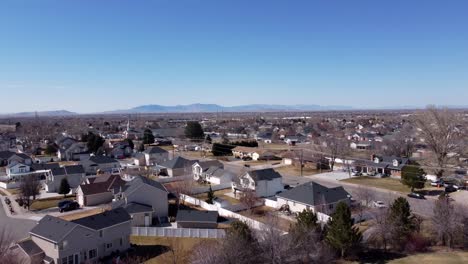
(341, 235)
(240, 230)
(64, 187)
(51, 149)
(402, 222)
(148, 137)
(93, 142)
(307, 219)
(130, 143)
(211, 196)
(194, 130)
(413, 177)
(141, 148)
(208, 139)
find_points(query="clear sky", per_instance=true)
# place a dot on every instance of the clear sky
(89, 56)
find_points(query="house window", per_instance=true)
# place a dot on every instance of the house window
(92, 253)
(121, 241)
(65, 260)
(330, 206)
(100, 233)
(70, 259)
(109, 245)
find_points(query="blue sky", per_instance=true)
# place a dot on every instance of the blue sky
(89, 56)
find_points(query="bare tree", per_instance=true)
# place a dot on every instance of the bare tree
(380, 232)
(400, 144)
(177, 253)
(30, 187)
(274, 244)
(248, 199)
(335, 146)
(447, 221)
(364, 197)
(184, 187)
(6, 254)
(440, 131)
(206, 253)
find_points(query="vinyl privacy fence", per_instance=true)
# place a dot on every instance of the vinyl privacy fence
(178, 232)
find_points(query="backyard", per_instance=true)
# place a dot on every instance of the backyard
(220, 194)
(439, 257)
(181, 246)
(47, 203)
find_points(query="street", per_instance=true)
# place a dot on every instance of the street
(16, 228)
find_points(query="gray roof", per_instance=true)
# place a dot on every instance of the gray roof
(210, 163)
(102, 160)
(44, 166)
(52, 228)
(105, 219)
(139, 181)
(155, 150)
(312, 193)
(178, 163)
(264, 175)
(30, 248)
(137, 208)
(67, 170)
(197, 216)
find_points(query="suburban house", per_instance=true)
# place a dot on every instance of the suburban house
(265, 182)
(361, 145)
(178, 166)
(86, 240)
(382, 165)
(16, 171)
(145, 200)
(11, 158)
(312, 196)
(99, 190)
(253, 153)
(211, 171)
(76, 151)
(155, 155)
(197, 219)
(100, 164)
(74, 174)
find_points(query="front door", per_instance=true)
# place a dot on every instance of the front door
(147, 220)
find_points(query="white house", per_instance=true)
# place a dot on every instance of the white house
(265, 182)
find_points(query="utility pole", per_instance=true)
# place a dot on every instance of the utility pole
(302, 162)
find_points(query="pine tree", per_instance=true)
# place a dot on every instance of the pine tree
(194, 130)
(402, 222)
(413, 177)
(341, 235)
(211, 196)
(307, 219)
(64, 187)
(148, 137)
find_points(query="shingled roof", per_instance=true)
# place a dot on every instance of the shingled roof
(105, 219)
(312, 193)
(264, 175)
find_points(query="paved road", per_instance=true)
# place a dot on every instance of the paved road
(16, 228)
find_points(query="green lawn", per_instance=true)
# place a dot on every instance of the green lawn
(446, 258)
(42, 204)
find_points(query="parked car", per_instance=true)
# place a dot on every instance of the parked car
(66, 206)
(379, 204)
(437, 183)
(356, 173)
(416, 195)
(450, 189)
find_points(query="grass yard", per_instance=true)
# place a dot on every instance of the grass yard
(47, 203)
(296, 171)
(182, 247)
(14, 191)
(383, 183)
(446, 258)
(2, 193)
(220, 194)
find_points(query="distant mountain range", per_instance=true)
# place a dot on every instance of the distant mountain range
(43, 113)
(210, 108)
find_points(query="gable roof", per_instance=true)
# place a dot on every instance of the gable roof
(264, 175)
(137, 208)
(197, 216)
(205, 165)
(105, 219)
(155, 150)
(30, 248)
(52, 228)
(67, 170)
(102, 160)
(139, 181)
(178, 163)
(313, 194)
(102, 184)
